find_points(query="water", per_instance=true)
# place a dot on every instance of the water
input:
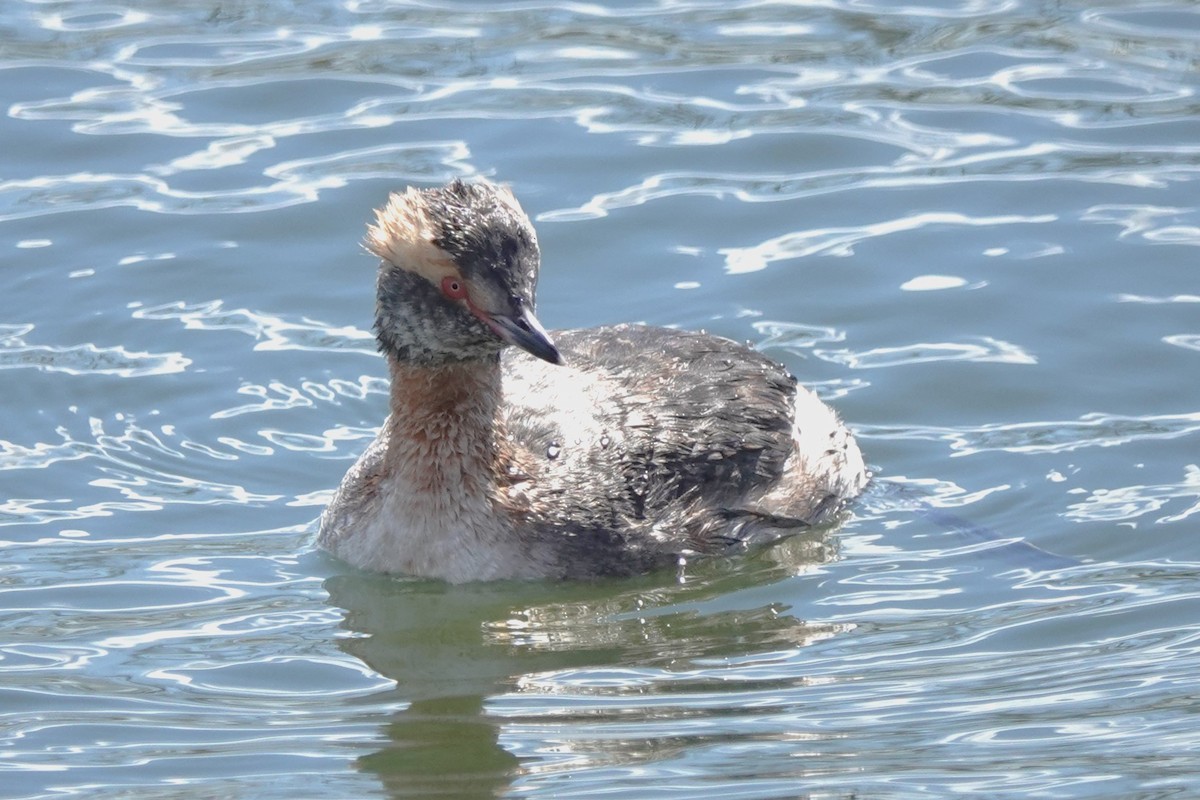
(972, 226)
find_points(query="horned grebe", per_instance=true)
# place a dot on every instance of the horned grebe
(607, 451)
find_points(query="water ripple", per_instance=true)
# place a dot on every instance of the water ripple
(150, 468)
(83, 359)
(270, 332)
(58, 194)
(1130, 503)
(818, 700)
(580, 72)
(983, 349)
(841, 241)
(1050, 436)
(1154, 224)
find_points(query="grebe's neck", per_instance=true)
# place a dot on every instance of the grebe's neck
(445, 427)
(439, 492)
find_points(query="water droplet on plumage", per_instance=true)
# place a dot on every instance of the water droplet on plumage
(553, 449)
(681, 570)
(605, 441)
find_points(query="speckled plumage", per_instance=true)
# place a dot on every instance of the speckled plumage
(645, 445)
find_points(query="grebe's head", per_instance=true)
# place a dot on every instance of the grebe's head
(457, 276)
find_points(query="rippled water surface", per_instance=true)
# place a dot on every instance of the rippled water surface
(972, 226)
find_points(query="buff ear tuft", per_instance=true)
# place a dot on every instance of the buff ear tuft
(405, 237)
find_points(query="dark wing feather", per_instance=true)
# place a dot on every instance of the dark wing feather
(671, 429)
(700, 411)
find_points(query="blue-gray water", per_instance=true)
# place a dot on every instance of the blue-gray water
(972, 226)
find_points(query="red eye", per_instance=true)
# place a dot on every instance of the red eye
(454, 288)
